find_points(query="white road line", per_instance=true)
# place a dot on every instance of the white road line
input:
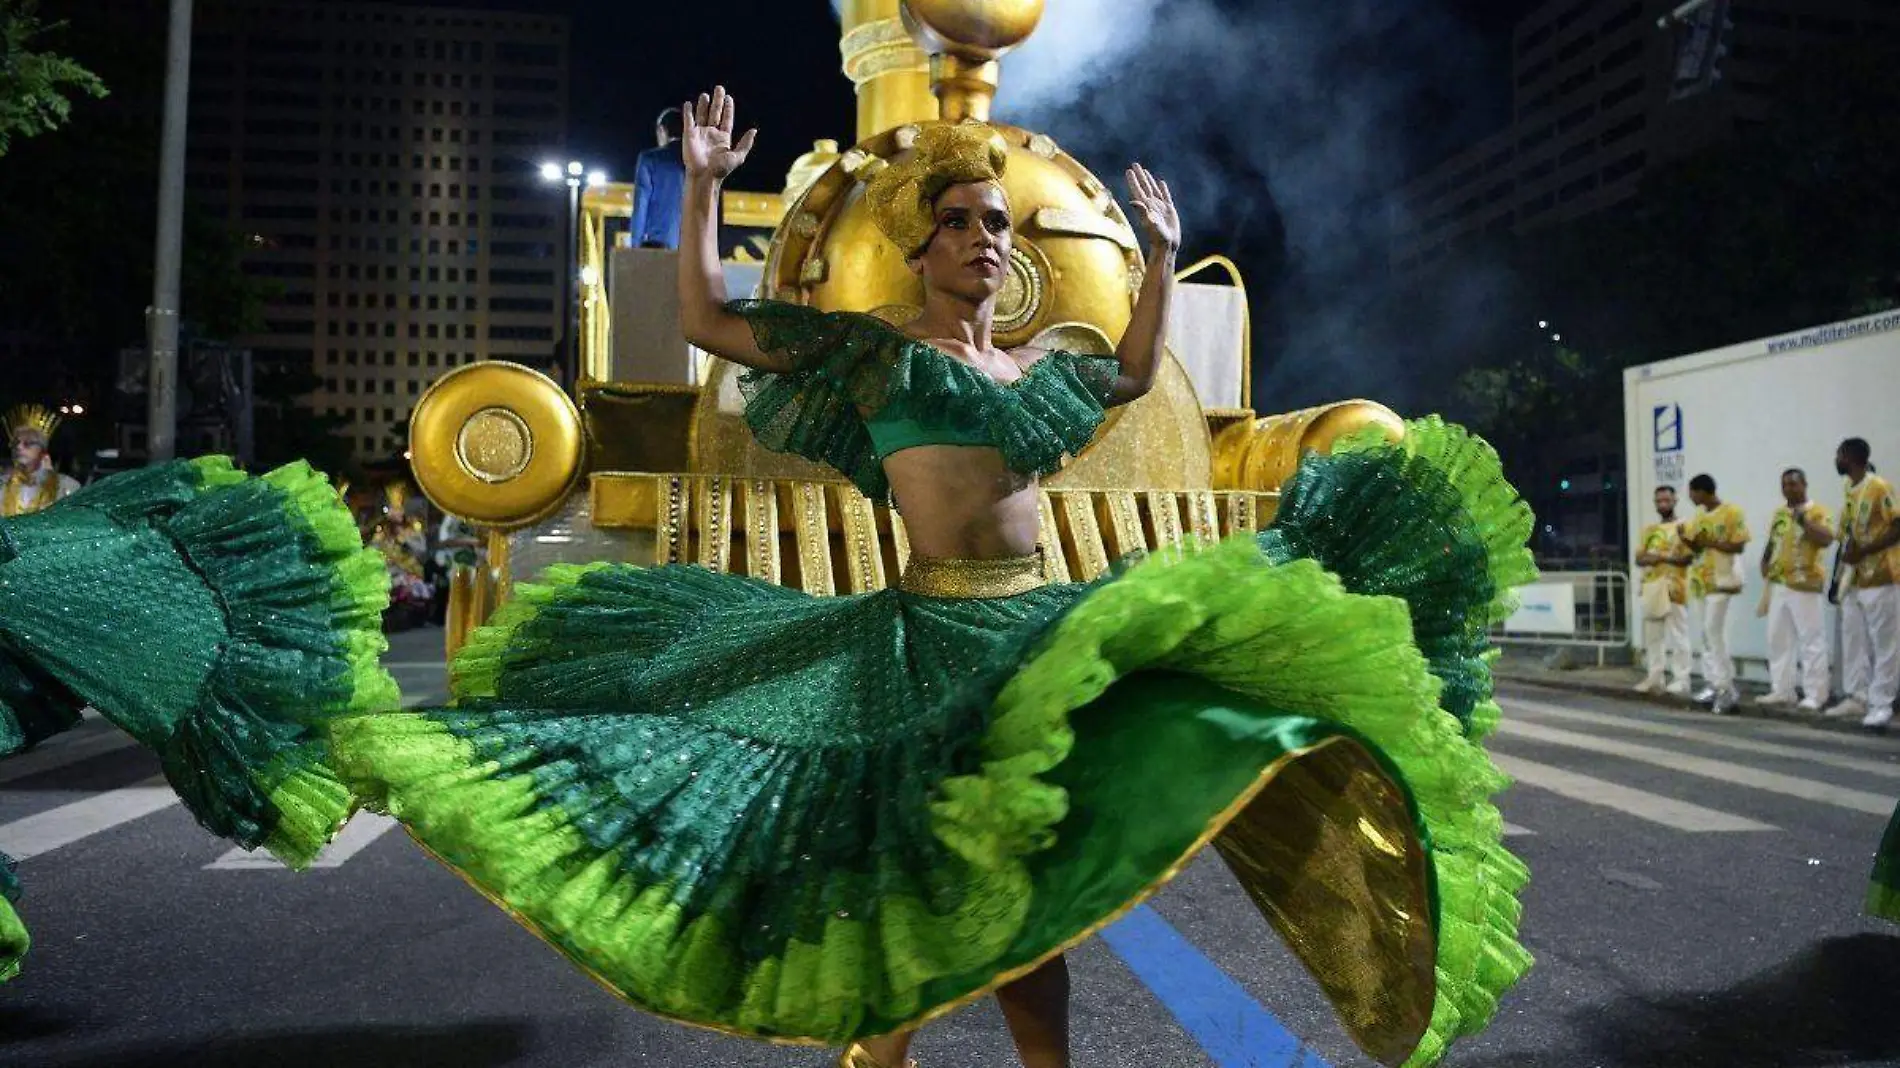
(363, 829)
(1886, 769)
(1794, 730)
(1512, 830)
(61, 750)
(46, 831)
(1642, 804)
(1719, 770)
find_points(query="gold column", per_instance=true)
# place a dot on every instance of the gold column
(891, 73)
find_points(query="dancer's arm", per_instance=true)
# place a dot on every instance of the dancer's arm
(710, 155)
(1141, 346)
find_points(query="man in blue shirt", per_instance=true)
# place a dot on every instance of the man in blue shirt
(658, 179)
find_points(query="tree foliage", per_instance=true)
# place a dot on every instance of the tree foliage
(36, 88)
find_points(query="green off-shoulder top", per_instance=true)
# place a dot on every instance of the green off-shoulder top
(847, 364)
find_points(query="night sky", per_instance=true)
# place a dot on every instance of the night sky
(630, 60)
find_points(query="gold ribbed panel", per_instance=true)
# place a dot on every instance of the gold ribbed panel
(1242, 515)
(1164, 511)
(761, 530)
(900, 541)
(1328, 852)
(1203, 519)
(714, 502)
(1091, 555)
(1124, 523)
(814, 539)
(1055, 563)
(864, 557)
(670, 530)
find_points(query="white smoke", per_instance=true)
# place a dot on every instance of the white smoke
(1306, 108)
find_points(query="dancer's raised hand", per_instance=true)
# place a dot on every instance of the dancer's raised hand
(706, 140)
(1154, 202)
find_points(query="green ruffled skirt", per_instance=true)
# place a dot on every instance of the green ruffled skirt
(218, 618)
(1883, 889)
(819, 819)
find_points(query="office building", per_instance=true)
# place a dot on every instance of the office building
(380, 162)
(1601, 94)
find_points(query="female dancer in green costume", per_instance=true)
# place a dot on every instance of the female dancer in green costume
(823, 820)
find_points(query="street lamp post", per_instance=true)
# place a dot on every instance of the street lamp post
(575, 176)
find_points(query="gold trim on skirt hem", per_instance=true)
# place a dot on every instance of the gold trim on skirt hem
(929, 576)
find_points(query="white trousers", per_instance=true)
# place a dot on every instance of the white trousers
(1718, 668)
(1796, 634)
(1666, 645)
(1870, 645)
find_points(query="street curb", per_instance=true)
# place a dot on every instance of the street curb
(1748, 710)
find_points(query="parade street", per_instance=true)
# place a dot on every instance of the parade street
(1695, 902)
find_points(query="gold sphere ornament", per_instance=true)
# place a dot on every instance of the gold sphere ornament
(497, 444)
(973, 29)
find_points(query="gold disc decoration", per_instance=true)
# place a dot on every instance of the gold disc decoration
(1020, 301)
(496, 443)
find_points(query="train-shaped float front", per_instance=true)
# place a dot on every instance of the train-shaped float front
(648, 460)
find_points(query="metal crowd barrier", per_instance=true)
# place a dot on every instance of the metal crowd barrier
(1577, 609)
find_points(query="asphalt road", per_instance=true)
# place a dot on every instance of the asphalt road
(1694, 903)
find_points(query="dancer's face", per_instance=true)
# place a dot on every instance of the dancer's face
(971, 244)
(27, 453)
(1665, 503)
(1794, 488)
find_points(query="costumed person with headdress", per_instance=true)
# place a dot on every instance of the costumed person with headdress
(822, 820)
(33, 482)
(403, 541)
(219, 619)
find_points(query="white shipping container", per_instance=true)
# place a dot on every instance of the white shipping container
(1742, 415)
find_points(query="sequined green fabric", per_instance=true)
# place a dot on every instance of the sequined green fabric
(216, 617)
(1431, 520)
(1883, 889)
(821, 818)
(14, 941)
(846, 363)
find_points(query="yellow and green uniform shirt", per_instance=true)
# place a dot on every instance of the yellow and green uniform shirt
(1666, 539)
(1869, 512)
(1793, 560)
(1714, 571)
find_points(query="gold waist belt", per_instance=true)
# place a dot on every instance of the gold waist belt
(930, 577)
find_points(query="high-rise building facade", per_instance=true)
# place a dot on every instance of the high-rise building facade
(381, 162)
(1601, 94)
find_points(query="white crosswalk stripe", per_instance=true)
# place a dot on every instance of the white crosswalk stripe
(55, 828)
(1720, 770)
(1885, 768)
(1642, 804)
(363, 829)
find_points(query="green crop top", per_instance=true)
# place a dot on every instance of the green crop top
(895, 434)
(845, 364)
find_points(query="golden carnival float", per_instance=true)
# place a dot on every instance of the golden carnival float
(649, 461)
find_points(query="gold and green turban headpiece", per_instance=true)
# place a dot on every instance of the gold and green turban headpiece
(903, 195)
